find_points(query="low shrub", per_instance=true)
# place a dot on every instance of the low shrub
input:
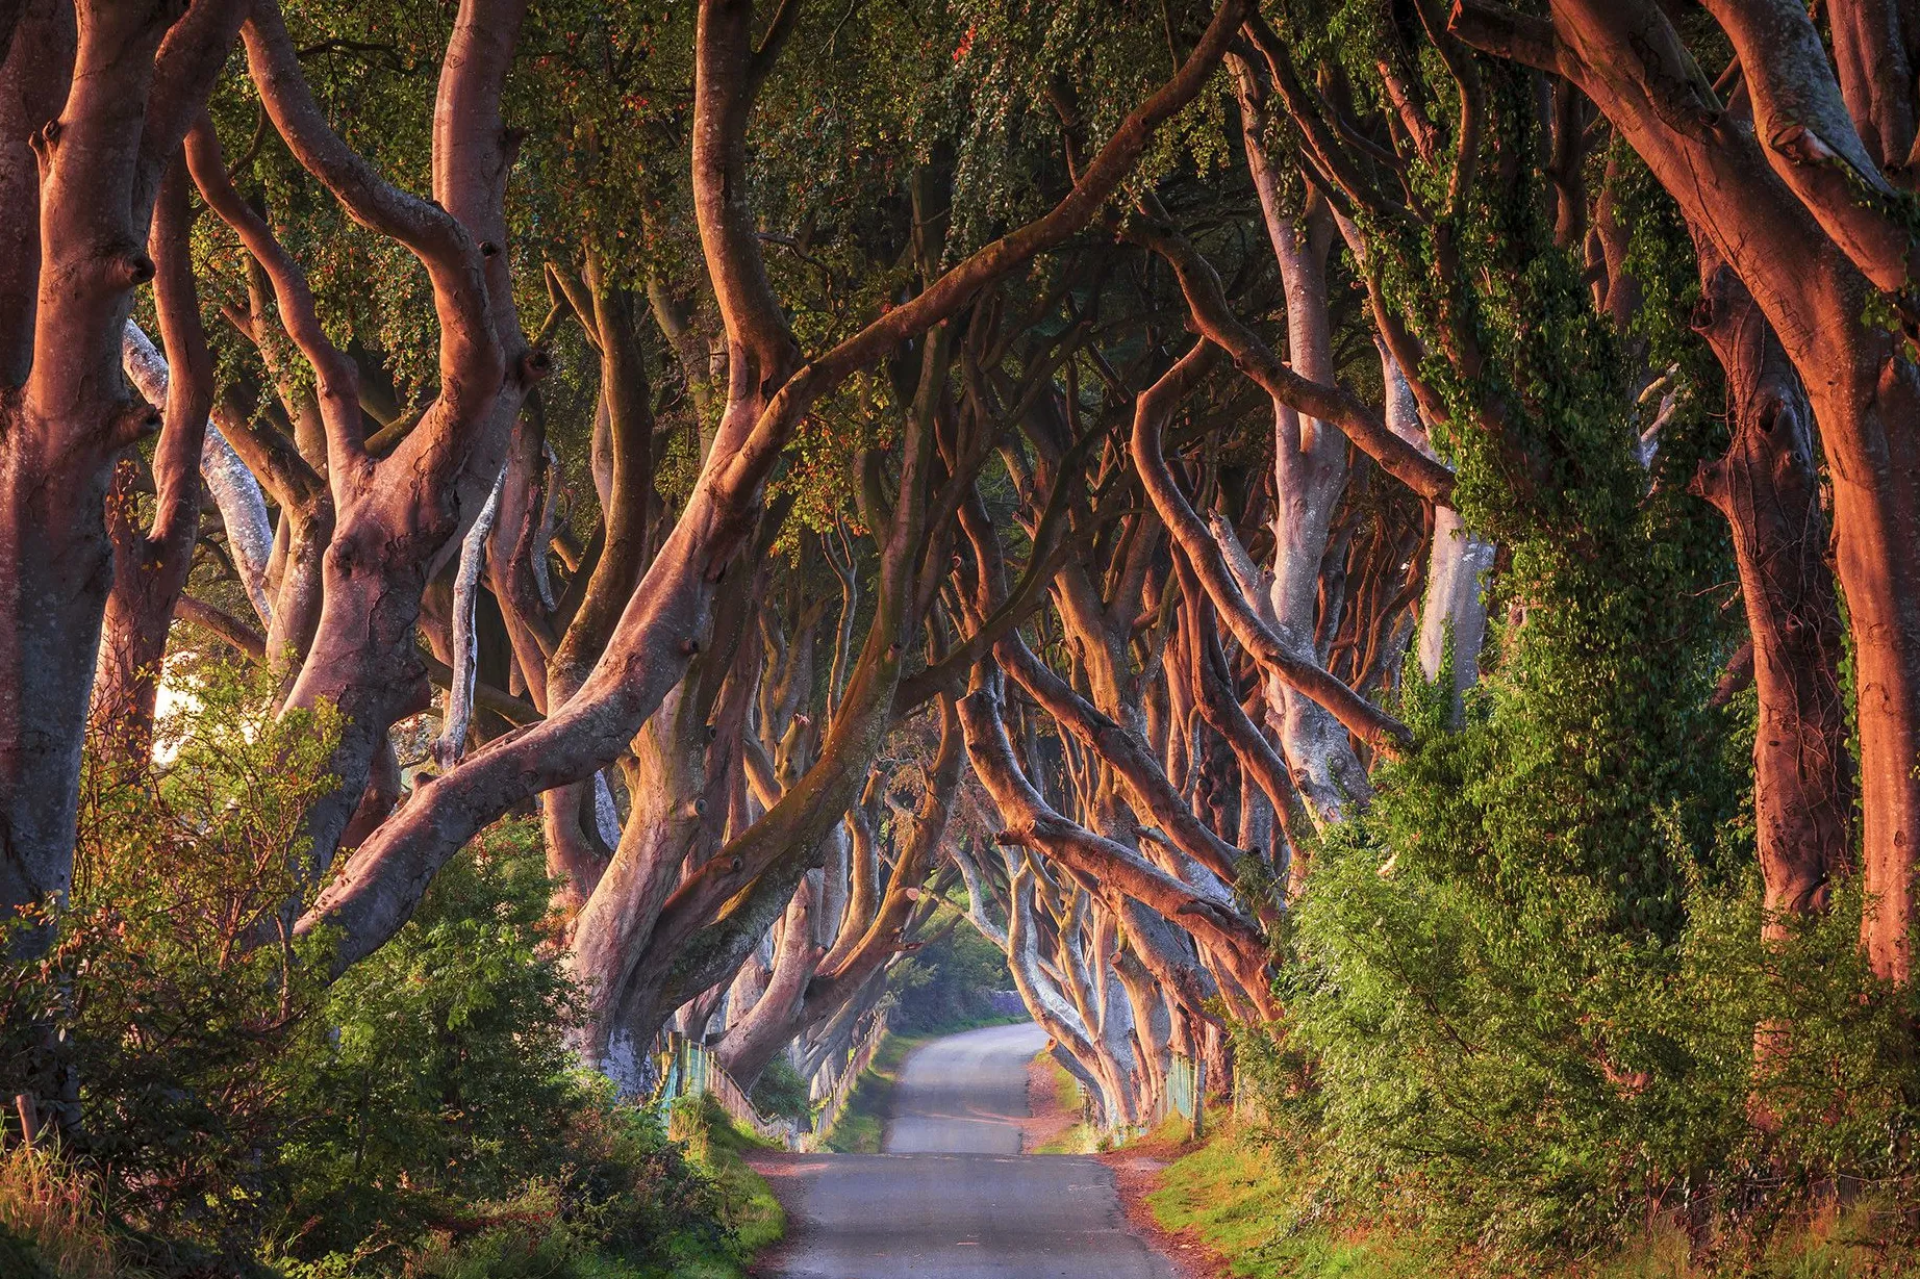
(230, 1114)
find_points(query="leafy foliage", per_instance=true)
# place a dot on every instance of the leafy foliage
(420, 1116)
(948, 983)
(1526, 981)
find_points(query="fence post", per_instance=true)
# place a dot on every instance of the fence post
(1199, 1097)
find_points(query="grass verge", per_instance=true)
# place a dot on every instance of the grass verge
(752, 1214)
(1080, 1138)
(52, 1219)
(862, 1125)
(1255, 1207)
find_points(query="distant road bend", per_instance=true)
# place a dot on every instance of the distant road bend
(953, 1198)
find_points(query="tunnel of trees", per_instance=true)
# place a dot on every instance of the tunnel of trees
(1371, 543)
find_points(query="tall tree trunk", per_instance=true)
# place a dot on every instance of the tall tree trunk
(669, 824)
(758, 1033)
(396, 516)
(235, 491)
(150, 566)
(140, 73)
(1803, 242)
(1309, 472)
(1453, 611)
(1766, 488)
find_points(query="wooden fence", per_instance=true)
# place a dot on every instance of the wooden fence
(843, 1087)
(688, 1069)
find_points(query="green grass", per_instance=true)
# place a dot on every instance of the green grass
(1256, 1208)
(720, 1147)
(1233, 1196)
(52, 1219)
(1081, 1138)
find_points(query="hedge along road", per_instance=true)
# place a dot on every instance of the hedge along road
(953, 1198)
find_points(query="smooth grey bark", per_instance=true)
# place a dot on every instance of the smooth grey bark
(452, 742)
(243, 506)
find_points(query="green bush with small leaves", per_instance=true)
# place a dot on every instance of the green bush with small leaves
(232, 1113)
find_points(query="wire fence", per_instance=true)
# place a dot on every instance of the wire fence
(689, 1069)
(1183, 1093)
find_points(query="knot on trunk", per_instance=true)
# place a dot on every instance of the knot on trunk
(1802, 145)
(1701, 319)
(1710, 482)
(43, 141)
(130, 268)
(133, 423)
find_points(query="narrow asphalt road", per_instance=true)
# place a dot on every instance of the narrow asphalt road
(953, 1198)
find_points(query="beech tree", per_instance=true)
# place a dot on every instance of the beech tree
(1281, 517)
(99, 98)
(1751, 200)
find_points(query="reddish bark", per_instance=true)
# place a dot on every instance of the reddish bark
(1214, 696)
(1876, 46)
(33, 84)
(758, 1033)
(1312, 400)
(150, 566)
(728, 902)
(1033, 823)
(1282, 659)
(664, 619)
(396, 514)
(1765, 486)
(875, 940)
(1814, 258)
(1147, 784)
(606, 315)
(140, 72)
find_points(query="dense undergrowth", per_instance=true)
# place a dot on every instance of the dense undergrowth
(1526, 982)
(1260, 1203)
(226, 1114)
(751, 1214)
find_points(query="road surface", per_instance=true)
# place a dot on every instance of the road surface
(953, 1198)
(964, 1095)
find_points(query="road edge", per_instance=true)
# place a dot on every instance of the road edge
(1137, 1172)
